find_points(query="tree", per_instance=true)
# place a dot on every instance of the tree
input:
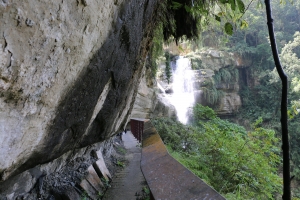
(186, 18)
(168, 68)
(237, 163)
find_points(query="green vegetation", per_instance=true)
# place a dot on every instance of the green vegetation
(261, 88)
(156, 49)
(84, 196)
(105, 182)
(212, 95)
(185, 20)
(121, 150)
(120, 164)
(205, 23)
(259, 83)
(168, 68)
(100, 195)
(228, 76)
(146, 192)
(239, 164)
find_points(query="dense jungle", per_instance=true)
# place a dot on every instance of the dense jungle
(239, 155)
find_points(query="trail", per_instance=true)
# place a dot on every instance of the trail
(129, 181)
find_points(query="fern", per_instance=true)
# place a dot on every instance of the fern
(212, 95)
(227, 75)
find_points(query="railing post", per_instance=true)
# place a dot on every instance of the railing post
(137, 128)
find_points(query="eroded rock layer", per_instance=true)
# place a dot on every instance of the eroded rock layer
(150, 101)
(69, 72)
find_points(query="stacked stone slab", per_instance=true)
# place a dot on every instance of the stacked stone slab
(92, 183)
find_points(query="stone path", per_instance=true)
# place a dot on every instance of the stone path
(126, 183)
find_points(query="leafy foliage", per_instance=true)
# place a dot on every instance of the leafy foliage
(237, 163)
(156, 49)
(203, 113)
(228, 28)
(290, 57)
(263, 99)
(212, 95)
(168, 70)
(185, 18)
(261, 90)
(227, 75)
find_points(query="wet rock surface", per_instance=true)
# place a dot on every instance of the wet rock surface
(68, 79)
(129, 182)
(150, 101)
(66, 182)
(206, 64)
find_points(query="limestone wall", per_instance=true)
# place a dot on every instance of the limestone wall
(211, 62)
(69, 72)
(150, 100)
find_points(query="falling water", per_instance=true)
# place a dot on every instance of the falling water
(183, 95)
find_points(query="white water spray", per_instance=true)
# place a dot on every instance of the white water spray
(183, 96)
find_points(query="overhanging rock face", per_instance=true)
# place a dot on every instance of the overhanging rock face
(69, 72)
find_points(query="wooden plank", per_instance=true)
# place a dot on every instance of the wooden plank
(100, 166)
(93, 178)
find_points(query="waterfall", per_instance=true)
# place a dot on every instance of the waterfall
(183, 90)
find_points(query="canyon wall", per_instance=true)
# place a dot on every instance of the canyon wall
(150, 100)
(212, 61)
(69, 72)
(207, 64)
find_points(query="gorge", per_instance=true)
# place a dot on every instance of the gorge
(73, 73)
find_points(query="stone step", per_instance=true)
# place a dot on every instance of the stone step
(89, 189)
(93, 178)
(92, 183)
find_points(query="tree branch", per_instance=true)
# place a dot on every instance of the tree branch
(284, 126)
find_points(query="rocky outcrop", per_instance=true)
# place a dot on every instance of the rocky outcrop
(229, 104)
(206, 64)
(163, 108)
(214, 60)
(209, 64)
(58, 177)
(69, 77)
(229, 100)
(146, 97)
(150, 101)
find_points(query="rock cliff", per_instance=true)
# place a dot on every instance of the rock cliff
(69, 72)
(150, 101)
(218, 76)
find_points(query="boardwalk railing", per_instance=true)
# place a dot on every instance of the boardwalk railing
(166, 177)
(137, 127)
